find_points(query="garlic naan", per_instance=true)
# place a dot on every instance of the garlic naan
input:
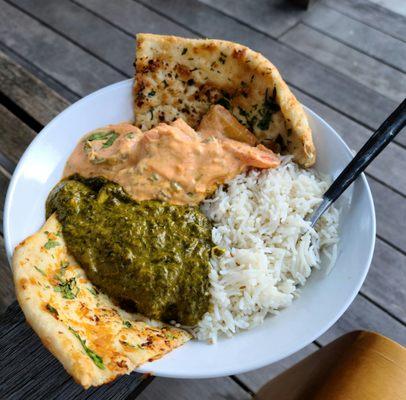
(181, 78)
(94, 340)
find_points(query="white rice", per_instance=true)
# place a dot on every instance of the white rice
(258, 219)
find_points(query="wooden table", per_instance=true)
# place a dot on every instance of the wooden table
(346, 60)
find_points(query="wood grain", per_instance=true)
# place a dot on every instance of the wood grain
(4, 179)
(390, 210)
(133, 18)
(187, 389)
(363, 315)
(355, 135)
(85, 29)
(7, 295)
(338, 91)
(385, 48)
(30, 93)
(35, 373)
(81, 72)
(53, 84)
(273, 17)
(366, 70)
(373, 15)
(255, 379)
(386, 280)
(15, 136)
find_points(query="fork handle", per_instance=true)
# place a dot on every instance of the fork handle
(375, 144)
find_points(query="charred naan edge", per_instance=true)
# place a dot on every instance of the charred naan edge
(181, 78)
(94, 340)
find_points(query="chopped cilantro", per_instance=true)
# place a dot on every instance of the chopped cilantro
(94, 357)
(68, 288)
(108, 137)
(270, 106)
(151, 93)
(184, 51)
(127, 324)
(52, 310)
(93, 291)
(40, 270)
(51, 244)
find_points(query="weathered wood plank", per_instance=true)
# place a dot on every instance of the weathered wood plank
(373, 15)
(81, 72)
(386, 280)
(256, 379)
(186, 389)
(15, 136)
(28, 376)
(4, 179)
(273, 17)
(390, 210)
(133, 18)
(30, 93)
(87, 30)
(364, 69)
(338, 91)
(53, 84)
(7, 295)
(358, 35)
(363, 315)
(383, 168)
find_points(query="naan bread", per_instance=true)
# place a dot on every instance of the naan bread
(181, 78)
(93, 339)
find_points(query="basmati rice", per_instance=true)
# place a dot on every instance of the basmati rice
(270, 249)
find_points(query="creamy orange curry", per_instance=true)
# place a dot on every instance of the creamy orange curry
(171, 162)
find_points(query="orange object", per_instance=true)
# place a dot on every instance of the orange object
(357, 366)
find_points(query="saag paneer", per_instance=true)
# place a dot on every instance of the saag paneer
(152, 253)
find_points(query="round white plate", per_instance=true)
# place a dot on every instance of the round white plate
(324, 298)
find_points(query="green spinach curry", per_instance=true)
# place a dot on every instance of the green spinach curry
(153, 254)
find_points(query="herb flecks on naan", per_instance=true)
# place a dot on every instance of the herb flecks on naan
(93, 339)
(181, 78)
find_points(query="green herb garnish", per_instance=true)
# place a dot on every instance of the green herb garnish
(68, 288)
(92, 291)
(270, 106)
(40, 270)
(95, 357)
(52, 310)
(108, 137)
(127, 324)
(184, 51)
(51, 244)
(151, 93)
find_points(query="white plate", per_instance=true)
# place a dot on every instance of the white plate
(324, 298)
